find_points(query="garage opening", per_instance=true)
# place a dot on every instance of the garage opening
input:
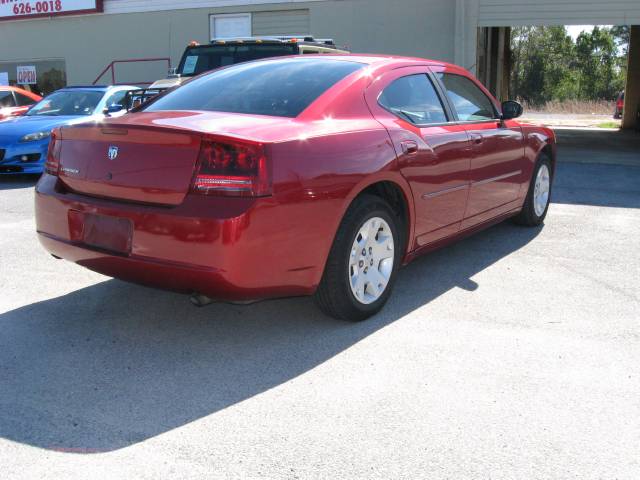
(571, 78)
(578, 74)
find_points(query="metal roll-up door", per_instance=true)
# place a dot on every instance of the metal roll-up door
(281, 22)
(499, 13)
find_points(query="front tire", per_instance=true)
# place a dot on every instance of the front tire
(363, 261)
(536, 204)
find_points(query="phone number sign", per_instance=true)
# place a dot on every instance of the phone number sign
(20, 9)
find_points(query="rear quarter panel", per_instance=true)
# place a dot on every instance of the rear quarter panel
(316, 179)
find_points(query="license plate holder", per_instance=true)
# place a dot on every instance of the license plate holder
(107, 233)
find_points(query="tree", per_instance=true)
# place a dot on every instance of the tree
(549, 65)
(622, 36)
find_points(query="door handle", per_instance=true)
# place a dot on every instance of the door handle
(476, 138)
(409, 147)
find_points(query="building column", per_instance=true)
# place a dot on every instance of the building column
(466, 33)
(632, 92)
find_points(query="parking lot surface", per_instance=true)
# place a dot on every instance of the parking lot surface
(513, 354)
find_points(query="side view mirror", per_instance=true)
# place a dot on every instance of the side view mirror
(115, 108)
(511, 109)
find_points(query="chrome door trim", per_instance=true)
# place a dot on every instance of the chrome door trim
(496, 179)
(427, 196)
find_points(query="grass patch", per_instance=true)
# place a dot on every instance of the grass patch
(609, 125)
(576, 107)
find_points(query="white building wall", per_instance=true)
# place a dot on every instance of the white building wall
(439, 29)
(134, 29)
(135, 6)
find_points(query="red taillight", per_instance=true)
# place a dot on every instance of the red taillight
(52, 165)
(230, 167)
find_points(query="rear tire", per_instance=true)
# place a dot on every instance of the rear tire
(536, 204)
(363, 262)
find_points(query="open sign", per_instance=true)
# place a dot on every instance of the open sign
(27, 75)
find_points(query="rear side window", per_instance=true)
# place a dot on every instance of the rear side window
(6, 99)
(467, 99)
(23, 100)
(282, 88)
(414, 98)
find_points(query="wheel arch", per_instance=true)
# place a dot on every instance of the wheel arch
(550, 151)
(389, 186)
(540, 141)
(395, 190)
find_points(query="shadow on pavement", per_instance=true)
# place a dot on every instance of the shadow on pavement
(114, 364)
(598, 185)
(597, 146)
(18, 181)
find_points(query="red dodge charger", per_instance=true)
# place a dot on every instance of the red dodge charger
(293, 176)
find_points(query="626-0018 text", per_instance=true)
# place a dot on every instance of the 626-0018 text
(27, 8)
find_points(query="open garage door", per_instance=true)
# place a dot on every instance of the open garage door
(505, 13)
(495, 17)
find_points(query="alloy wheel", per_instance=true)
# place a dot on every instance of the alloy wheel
(541, 190)
(371, 260)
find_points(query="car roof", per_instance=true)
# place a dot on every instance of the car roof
(99, 88)
(22, 91)
(390, 60)
(11, 87)
(377, 61)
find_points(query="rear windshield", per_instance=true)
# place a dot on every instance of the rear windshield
(282, 88)
(202, 59)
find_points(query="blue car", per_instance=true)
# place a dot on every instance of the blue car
(24, 140)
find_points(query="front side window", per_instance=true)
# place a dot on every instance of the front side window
(6, 99)
(282, 88)
(23, 100)
(66, 102)
(467, 99)
(414, 99)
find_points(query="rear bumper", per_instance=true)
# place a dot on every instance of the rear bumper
(225, 248)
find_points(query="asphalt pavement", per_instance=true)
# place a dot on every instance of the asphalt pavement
(514, 354)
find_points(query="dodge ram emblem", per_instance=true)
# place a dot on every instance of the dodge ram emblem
(113, 153)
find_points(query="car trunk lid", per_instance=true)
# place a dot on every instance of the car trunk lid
(138, 163)
(150, 157)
